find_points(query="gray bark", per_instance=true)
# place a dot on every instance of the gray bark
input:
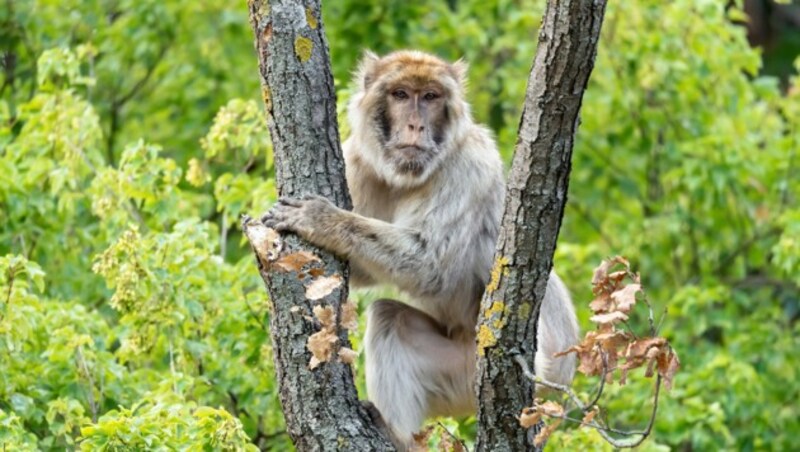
(320, 406)
(534, 207)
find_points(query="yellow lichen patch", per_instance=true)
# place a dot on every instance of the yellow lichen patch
(497, 307)
(302, 48)
(263, 8)
(312, 21)
(497, 270)
(266, 94)
(498, 310)
(486, 338)
(524, 310)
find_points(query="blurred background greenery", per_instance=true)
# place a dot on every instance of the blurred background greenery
(132, 138)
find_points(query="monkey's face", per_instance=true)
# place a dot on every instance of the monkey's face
(409, 114)
(412, 125)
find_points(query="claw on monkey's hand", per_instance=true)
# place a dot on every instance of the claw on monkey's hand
(302, 215)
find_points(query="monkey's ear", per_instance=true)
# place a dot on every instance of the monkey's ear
(367, 69)
(460, 69)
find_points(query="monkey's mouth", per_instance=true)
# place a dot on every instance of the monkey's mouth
(412, 159)
(411, 150)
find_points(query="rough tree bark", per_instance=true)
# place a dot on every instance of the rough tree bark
(534, 207)
(320, 406)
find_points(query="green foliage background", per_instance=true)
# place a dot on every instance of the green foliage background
(132, 138)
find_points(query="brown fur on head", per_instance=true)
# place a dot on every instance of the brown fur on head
(409, 112)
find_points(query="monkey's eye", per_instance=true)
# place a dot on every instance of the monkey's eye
(399, 94)
(430, 96)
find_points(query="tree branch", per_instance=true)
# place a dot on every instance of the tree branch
(534, 206)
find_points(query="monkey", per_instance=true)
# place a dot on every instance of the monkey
(427, 184)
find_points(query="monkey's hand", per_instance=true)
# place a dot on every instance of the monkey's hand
(309, 217)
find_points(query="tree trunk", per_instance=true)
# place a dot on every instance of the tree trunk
(534, 206)
(320, 406)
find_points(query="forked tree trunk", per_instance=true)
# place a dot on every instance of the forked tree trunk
(534, 206)
(320, 406)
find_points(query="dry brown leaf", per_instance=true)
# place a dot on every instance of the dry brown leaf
(590, 364)
(643, 351)
(326, 316)
(420, 443)
(450, 444)
(322, 286)
(347, 356)
(601, 272)
(321, 345)
(625, 298)
(669, 370)
(617, 276)
(602, 303)
(546, 432)
(640, 347)
(588, 357)
(350, 316)
(609, 318)
(614, 340)
(529, 417)
(589, 416)
(604, 282)
(590, 351)
(294, 262)
(551, 408)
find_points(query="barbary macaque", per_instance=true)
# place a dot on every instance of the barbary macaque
(428, 188)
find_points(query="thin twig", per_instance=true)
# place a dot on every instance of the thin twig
(650, 314)
(454, 437)
(602, 385)
(601, 429)
(661, 321)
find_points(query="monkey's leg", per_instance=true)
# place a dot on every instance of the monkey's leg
(414, 370)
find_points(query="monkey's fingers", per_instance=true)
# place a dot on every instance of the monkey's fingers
(272, 215)
(281, 218)
(278, 226)
(293, 202)
(267, 219)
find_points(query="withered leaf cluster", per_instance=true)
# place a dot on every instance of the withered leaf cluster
(609, 348)
(532, 415)
(323, 343)
(617, 291)
(447, 442)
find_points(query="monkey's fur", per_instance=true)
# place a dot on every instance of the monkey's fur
(428, 189)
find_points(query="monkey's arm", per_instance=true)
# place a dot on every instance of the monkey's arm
(386, 252)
